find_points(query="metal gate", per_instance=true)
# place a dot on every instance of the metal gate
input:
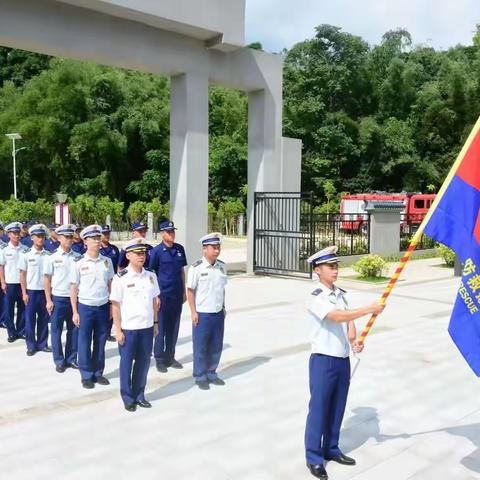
(287, 232)
(283, 236)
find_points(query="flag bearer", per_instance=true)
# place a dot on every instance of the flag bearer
(168, 260)
(329, 367)
(31, 281)
(134, 298)
(57, 275)
(10, 261)
(206, 296)
(90, 288)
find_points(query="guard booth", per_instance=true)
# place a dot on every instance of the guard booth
(287, 231)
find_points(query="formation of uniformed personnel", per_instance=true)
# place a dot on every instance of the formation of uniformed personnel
(334, 334)
(78, 245)
(139, 230)
(57, 274)
(10, 261)
(31, 281)
(134, 298)
(89, 293)
(206, 296)
(168, 260)
(52, 243)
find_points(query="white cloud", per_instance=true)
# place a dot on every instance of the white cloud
(439, 23)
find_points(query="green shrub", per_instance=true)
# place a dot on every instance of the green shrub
(370, 266)
(447, 254)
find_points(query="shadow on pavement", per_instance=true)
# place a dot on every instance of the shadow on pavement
(184, 384)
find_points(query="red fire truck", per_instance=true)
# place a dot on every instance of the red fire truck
(353, 214)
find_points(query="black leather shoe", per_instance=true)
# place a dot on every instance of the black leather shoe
(60, 368)
(111, 338)
(11, 339)
(318, 471)
(47, 349)
(102, 380)
(203, 384)
(131, 407)
(31, 353)
(217, 381)
(144, 403)
(88, 384)
(73, 365)
(176, 364)
(342, 460)
(161, 367)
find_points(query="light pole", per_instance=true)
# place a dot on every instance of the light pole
(13, 137)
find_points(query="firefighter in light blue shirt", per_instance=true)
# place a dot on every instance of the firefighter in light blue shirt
(206, 283)
(90, 288)
(329, 366)
(31, 281)
(10, 260)
(58, 272)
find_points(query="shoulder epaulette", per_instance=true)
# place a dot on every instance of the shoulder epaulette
(121, 273)
(26, 250)
(47, 252)
(317, 291)
(76, 259)
(342, 290)
(197, 263)
(219, 261)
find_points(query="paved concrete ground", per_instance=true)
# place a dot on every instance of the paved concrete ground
(413, 410)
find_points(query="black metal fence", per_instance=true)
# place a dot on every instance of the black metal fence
(287, 232)
(409, 225)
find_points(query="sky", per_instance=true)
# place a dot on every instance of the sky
(441, 24)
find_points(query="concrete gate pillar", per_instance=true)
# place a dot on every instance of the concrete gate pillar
(189, 159)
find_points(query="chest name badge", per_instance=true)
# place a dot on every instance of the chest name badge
(131, 285)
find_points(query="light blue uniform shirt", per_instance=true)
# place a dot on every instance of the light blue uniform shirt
(208, 282)
(59, 266)
(10, 258)
(92, 275)
(328, 337)
(33, 262)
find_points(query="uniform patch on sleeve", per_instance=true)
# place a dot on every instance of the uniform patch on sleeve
(317, 291)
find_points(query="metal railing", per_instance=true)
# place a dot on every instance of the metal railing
(409, 225)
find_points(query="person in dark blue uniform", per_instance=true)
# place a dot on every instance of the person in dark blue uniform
(111, 251)
(24, 235)
(52, 243)
(3, 236)
(78, 244)
(139, 230)
(168, 260)
(334, 334)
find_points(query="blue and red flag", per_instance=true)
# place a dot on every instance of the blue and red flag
(454, 220)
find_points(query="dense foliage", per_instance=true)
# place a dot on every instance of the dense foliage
(387, 117)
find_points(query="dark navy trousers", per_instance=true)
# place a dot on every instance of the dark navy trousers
(36, 320)
(62, 315)
(12, 297)
(168, 326)
(329, 383)
(2, 309)
(135, 356)
(207, 345)
(93, 330)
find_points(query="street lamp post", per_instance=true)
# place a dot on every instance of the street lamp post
(13, 137)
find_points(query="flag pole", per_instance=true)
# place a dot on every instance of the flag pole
(418, 234)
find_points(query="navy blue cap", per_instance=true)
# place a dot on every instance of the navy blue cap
(139, 226)
(166, 225)
(106, 229)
